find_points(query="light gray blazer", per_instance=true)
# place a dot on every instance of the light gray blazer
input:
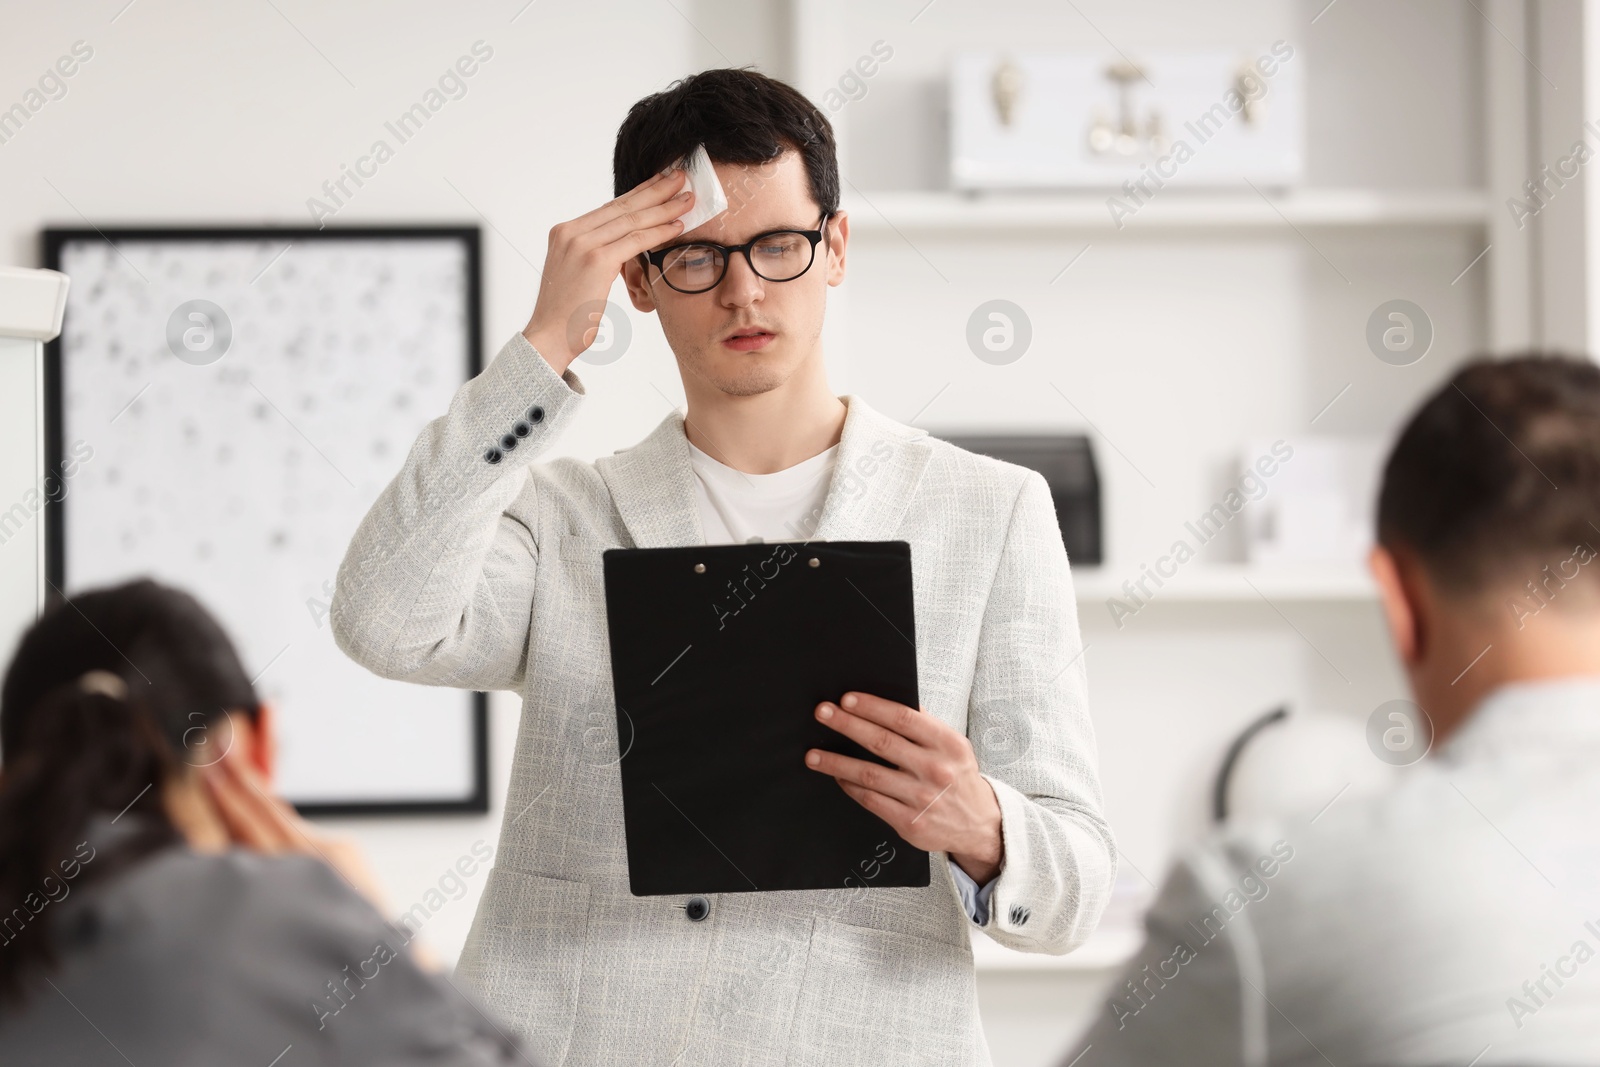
(1451, 920)
(478, 568)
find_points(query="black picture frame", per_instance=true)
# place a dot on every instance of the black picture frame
(55, 239)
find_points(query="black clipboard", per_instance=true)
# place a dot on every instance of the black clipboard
(719, 656)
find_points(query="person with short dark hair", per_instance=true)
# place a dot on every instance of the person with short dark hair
(1452, 918)
(480, 568)
(158, 905)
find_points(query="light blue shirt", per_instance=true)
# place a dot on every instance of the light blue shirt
(975, 900)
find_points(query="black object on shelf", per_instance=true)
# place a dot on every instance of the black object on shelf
(1067, 463)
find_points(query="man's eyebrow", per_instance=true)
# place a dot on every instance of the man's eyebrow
(821, 225)
(799, 228)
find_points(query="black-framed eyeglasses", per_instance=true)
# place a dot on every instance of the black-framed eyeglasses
(776, 256)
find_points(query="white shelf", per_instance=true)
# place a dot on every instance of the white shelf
(1108, 948)
(903, 211)
(1224, 583)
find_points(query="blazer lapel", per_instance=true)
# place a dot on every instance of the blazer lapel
(875, 476)
(652, 486)
(876, 471)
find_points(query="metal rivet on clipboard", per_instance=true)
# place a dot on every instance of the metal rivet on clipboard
(699, 568)
(814, 562)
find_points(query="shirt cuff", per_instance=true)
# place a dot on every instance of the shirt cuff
(975, 900)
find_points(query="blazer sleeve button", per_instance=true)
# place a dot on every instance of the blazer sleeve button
(697, 909)
(492, 456)
(508, 442)
(536, 414)
(522, 429)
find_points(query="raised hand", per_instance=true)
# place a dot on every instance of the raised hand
(586, 255)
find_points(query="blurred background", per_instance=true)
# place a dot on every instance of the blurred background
(1404, 189)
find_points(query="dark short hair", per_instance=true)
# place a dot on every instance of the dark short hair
(1498, 472)
(741, 116)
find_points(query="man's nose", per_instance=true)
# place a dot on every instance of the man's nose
(741, 286)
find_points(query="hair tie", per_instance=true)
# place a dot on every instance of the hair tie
(105, 683)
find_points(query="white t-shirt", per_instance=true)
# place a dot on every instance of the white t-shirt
(736, 507)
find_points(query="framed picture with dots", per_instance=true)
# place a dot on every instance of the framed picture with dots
(223, 406)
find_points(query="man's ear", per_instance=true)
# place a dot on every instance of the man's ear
(264, 740)
(1399, 596)
(633, 276)
(838, 241)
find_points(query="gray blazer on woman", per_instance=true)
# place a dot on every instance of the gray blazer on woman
(234, 958)
(478, 568)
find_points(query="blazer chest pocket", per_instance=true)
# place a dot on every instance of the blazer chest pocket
(524, 956)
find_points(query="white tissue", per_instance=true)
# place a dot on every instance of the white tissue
(709, 199)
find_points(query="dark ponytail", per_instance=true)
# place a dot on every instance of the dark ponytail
(87, 749)
(99, 704)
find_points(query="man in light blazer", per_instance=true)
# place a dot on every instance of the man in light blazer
(479, 568)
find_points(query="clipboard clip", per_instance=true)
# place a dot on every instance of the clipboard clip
(814, 561)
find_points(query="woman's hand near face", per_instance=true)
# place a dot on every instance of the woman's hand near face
(259, 821)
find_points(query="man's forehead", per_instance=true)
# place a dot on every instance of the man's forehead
(730, 228)
(773, 195)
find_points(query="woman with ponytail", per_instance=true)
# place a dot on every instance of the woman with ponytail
(157, 903)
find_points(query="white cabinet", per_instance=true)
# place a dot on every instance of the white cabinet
(31, 304)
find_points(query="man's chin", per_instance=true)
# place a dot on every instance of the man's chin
(748, 373)
(748, 385)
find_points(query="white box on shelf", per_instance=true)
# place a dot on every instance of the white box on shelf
(1318, 507)
(1096, 120)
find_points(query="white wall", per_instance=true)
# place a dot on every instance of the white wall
(1560, 231)
(1590, 38)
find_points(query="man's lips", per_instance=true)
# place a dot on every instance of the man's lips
(749, 340)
